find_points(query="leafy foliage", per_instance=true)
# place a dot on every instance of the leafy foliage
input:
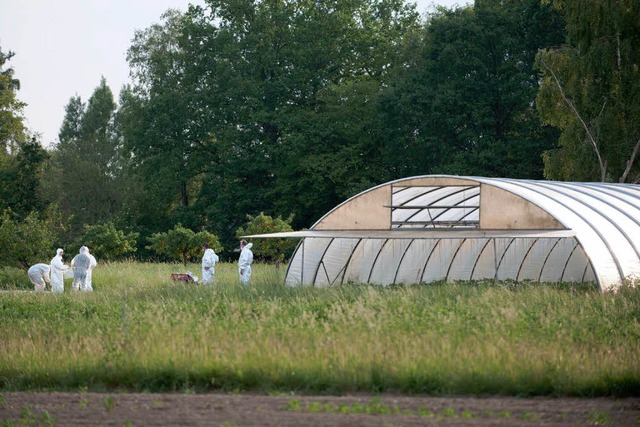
(21, 159)
(14, 278)
(164, 122)
(463, 104)
(271, 249)
(12, 128)
(107, 242)
(29, 241)
(21, 178)
(253, 89)
(591, 92)
(182, 243)
(240, 107)
(86, 167)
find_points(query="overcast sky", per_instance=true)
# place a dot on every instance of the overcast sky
(64, 47)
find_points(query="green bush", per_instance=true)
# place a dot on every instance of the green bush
(273, 250)
(108, 243)
(12, 278)
(29, 241)
(183, 244)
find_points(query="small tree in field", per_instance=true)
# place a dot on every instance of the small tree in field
(108, 242)
(182, 243)
(29, 241)
(272, 249)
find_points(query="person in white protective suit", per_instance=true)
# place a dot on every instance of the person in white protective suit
(209, 260)
(80, 264)
(39, 274)
(57, 272)
(92, 264)
(244, 262)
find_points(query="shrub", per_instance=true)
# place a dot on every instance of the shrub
(29, 241)
(12, 278)
(107, 242)
(182, 243)
(276, 250)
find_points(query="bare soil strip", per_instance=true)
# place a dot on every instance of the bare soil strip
(168, 409)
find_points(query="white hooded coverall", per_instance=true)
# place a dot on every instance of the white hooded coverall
(208, 266)
(80, 264)
(57, 272)
(92, 263)
(244, 264)
(39, 274)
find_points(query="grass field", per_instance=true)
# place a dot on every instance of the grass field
(140, 331)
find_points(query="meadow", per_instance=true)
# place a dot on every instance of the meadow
(139, 331)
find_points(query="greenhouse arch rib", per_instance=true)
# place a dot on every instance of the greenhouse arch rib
(475, 227)
(584, 218)
(592, 216)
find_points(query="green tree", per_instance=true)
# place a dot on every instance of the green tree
(291, 89)
(12, 128)
(71, 129)
(21, 176)
(326, 163)
(86, 167)
(29, 241)
(234, 101)
(462, 103)
(107, 242)
(591, 92)
(276, 250)
(164, 123)
(22, 159)
(145, 206)
(182, 243)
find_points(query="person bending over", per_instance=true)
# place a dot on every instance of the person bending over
(39, 274)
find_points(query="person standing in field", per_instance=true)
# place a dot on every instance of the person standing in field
(57, 272)
(209, 260)
(244, 262)
(39, 274)
(92, 264)
(80, 264)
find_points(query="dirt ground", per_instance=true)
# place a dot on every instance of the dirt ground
(137, 409)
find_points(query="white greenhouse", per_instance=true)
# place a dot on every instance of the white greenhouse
(438, 227)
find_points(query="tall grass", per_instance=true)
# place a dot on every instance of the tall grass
(140, 331)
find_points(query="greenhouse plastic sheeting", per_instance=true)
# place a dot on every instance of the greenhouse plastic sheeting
(442, 227)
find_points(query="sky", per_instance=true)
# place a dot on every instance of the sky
(64, 47)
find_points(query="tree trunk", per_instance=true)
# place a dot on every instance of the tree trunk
(184, 195)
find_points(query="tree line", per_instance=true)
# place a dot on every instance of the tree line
(242, 110)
